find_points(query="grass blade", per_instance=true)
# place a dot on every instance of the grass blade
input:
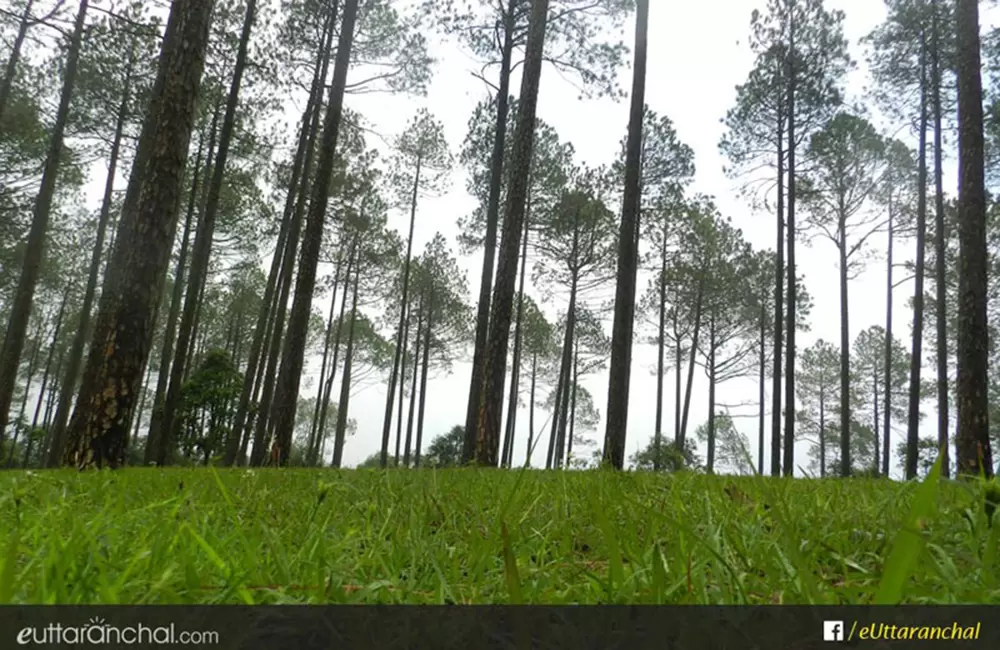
(909, 543)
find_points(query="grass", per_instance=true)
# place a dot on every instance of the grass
(148, 536)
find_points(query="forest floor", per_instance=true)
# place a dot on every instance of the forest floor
(148, 536)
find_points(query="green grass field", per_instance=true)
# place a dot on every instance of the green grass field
(480, 536)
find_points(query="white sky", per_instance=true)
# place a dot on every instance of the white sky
(697, 54)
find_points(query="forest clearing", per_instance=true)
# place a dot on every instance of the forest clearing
(467, 536)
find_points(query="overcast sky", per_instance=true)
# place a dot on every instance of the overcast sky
(697, 54)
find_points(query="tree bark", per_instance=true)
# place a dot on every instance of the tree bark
(494, 369)
(283, 409)
(345, 384)
(788, 459)
(628, 254)
(151, 453)
(124, 326)
(887, 402)
(974, 453)
(83, 327)
(490, 239)
(202, 250)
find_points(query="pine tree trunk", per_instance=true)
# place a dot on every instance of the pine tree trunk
(402, 329)
(941, 289)
(82, 332)
(151, 452)
(916, 360)
(660, 344)
(202, 250)
(124, 326)
(788, 459)
(417, 341)
(345, 384)
(974, 453)
(501, 307)
(423, 379)
(779, 288)
(845, 357)
(13, 57)
(237, 441)
(887, 402)
(312, 447)
(34, 250)
(490, 239)
(293, 356)
(628, 258)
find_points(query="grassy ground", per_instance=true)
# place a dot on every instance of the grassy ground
(471, 536)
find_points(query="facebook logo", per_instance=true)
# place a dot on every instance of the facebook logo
(833, 630)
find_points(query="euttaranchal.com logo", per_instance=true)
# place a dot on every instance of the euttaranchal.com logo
(97, 631)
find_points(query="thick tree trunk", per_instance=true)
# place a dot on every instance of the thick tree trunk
(490, 239)
(974, 453)
(628, 258)
(80, 336)
(202, 250)
(124, 326)
(151, 453)
(501, 307)
(34, 251)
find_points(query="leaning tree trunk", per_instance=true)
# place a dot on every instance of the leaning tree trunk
(628, 258)
(494, 369)
(283, 409)
(490, 239)
(34, 250)
(974, 453)
(124, 326)
(83, 326)
(239, 434)
(151, 452)
(345, 383)
(13, 57)
(202, 252)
